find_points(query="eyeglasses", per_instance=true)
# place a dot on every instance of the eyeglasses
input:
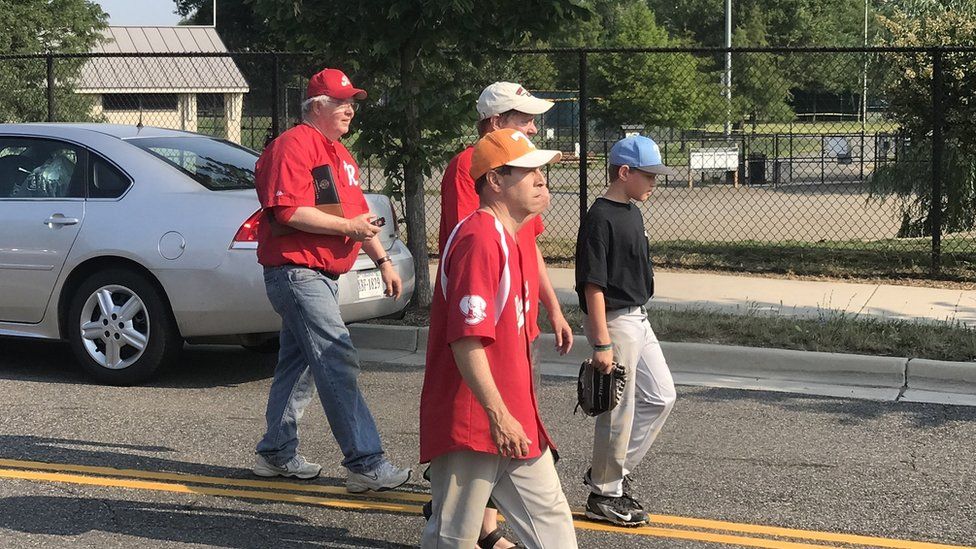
(351, 103)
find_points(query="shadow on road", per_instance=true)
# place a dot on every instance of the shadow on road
(216, 527)
(847, 411)
(199, 366)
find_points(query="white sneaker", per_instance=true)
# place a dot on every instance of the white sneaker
(296, 467)
(385, 476)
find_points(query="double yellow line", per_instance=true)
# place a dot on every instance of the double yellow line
(673, 527)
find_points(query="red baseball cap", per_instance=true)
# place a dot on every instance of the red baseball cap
(334, 83)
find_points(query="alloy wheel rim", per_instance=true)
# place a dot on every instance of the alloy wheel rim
(114, 327)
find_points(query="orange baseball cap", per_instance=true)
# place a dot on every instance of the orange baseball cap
(508, 147)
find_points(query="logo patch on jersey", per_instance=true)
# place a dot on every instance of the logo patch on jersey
(474, 308)
(350, 173)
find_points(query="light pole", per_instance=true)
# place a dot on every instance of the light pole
(864, 72)
(727, 77)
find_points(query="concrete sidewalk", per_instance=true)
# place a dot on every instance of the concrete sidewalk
(803, 298)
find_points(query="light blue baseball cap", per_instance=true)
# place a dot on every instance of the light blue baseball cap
(641, 153)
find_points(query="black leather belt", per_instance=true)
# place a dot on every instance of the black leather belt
(323, 272)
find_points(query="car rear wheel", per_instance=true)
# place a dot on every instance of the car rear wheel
(120, 327)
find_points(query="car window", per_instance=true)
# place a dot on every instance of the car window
(40, 168)
(214, 163)
(106, 180)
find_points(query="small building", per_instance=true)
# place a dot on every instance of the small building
(204, 94)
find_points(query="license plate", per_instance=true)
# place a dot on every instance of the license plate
(370, 284)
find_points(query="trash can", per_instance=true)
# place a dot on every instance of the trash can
(757, 168)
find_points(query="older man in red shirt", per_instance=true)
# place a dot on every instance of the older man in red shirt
(479, 420)
(315, 222)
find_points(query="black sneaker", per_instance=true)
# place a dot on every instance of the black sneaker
(638, 511)
(622, 511)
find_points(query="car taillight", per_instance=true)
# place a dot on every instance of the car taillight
(249, 229)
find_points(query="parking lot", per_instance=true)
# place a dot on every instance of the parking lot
(167, 465)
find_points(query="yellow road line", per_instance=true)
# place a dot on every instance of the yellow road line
(375, 506)
(346, 501)
(204, 490)
(198, 479)
(851, 539)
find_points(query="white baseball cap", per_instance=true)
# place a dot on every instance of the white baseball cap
(502, 97)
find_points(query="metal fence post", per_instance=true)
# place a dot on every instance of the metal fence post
(583, 131)
(50, 87)
(275, 97)
(938, 147)
(823, 159)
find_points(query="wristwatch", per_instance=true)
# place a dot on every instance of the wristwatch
(382, 260)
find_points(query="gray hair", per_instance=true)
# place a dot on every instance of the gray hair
(307, 104)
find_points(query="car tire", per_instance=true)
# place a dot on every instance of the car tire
(129, 342)
(266, 347)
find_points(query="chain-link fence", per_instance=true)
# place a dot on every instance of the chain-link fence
(802, 155)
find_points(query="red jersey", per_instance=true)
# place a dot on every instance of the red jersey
(283, 177)
(479, 292)
(459, 200)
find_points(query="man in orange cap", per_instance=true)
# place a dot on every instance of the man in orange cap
(316, 220)
(480, 427)
(504, 105)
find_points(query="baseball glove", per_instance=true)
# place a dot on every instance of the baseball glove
(597, 392)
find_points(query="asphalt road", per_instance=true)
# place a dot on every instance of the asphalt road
(832, 468)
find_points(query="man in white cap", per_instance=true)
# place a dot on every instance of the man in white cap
(480, 427)
(503, 105)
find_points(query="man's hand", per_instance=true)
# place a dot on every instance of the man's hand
(564, 334)
(360, 229)
(508, 435)
(391, 280)
(603, 361)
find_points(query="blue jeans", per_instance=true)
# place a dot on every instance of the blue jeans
(315, 349)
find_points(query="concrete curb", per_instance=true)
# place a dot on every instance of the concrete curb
(941, 382)
(806, 372)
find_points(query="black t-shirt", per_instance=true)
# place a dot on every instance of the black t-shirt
(612, 251)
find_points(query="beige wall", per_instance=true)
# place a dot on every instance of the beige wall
(183, 118)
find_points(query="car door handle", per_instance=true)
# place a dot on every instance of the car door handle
(58, 219)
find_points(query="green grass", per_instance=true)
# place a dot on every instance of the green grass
(880, 259)
(832, 332)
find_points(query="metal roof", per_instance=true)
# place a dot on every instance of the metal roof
(161, 74)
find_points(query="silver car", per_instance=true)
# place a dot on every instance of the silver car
(128, 242)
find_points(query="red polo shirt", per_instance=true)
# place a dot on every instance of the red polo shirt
(458, 200)
(480, 292)
(283, 177)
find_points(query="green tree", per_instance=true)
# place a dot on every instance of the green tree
(45, 26)
(762, 82)
(420, 60)
(652, 89)
(909, 94)
(237, 24)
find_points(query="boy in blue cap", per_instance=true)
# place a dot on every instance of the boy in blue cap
(614, 281)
